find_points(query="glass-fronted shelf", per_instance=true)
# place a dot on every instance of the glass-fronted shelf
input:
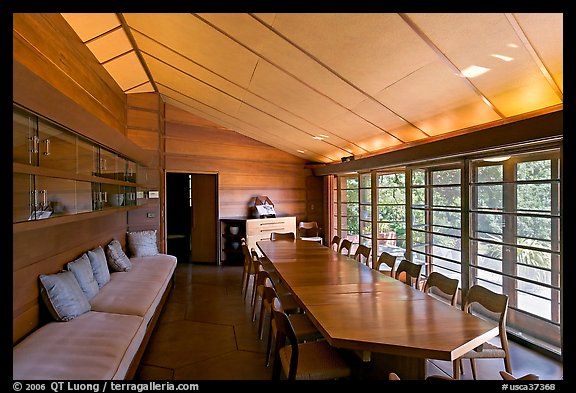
(58, 172)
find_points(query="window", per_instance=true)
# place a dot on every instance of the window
(391, 205)
(515, 238)
(436, 224)
(488, 221)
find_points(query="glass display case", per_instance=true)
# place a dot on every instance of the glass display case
(56, 172)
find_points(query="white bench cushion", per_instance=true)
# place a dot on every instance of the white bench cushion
(93, 346)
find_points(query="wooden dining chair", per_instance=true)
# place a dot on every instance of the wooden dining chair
(264, 280)
(446, 285)
(497, 304)
(345, 247)
(410, 271)
(526, 377)
(386, 259)
(312, 360)
(394, 377)
(308, 229)
(282, 236)
(249, 268)
(362, 252)
(303, 327)
(335, 242)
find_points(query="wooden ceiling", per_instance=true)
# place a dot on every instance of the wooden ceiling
(324, 86)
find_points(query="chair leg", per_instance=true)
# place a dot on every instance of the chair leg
(507, 364)
(246, 285)
(473, 366)
(269, 347)
(255, 301)
(261, 319)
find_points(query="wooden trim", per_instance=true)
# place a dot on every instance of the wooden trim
(50, 172)
(540, 128)
(38, 224)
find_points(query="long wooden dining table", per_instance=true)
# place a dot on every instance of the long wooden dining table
(392, 327)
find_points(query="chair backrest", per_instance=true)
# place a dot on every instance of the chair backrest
(362, 251)
(387, 259)
(411, 270)
(285, 330)
(308, 229)
(493, 302)
(346, 246)
(282, 236)
(335, 241)
(445, 284)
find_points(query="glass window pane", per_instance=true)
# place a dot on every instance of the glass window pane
(446, 196)
(534, 170)
(492, 173)
(450, 176)
(489, 197)
(534, 197)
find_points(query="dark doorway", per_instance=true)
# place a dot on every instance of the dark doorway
(192, 216)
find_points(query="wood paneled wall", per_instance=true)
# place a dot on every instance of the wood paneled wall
(245, 167)
(56, 76)
(145, 127)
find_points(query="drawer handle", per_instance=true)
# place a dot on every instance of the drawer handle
(275, 229)
(271, 223)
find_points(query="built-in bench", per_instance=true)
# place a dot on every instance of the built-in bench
(108, 341)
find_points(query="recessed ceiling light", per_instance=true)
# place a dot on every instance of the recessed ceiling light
(474, 71)
(300, 151)
(323, 136)
(502, 57)
(318, 138)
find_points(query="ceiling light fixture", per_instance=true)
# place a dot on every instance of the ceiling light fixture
(497, 159)
(502, 57)
(473, 71)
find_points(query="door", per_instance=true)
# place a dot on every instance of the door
(191, 217)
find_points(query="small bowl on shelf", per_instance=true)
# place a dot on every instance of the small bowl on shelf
(234, 230)
(235, 245)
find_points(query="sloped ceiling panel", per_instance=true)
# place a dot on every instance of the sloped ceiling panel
(324, 86)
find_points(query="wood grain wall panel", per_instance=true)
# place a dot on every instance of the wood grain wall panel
(255, 181)
(179, 162)
(48, 46)
(208, 148)
(229, 195)
(145, 139)
(143, 118)
(46, 251)
(245, 167)
(144, 101)
(138, 219)
(177, 115)
(214, 135)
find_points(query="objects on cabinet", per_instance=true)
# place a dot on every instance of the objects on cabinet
(261, 207)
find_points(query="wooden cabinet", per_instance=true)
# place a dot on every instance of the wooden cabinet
(260, 229)
(57, 172)
(231, 233)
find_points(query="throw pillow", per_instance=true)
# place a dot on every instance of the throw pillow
(117, 259)
(63, 296)
(83, 272)
(142, 243)
(99, 266)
